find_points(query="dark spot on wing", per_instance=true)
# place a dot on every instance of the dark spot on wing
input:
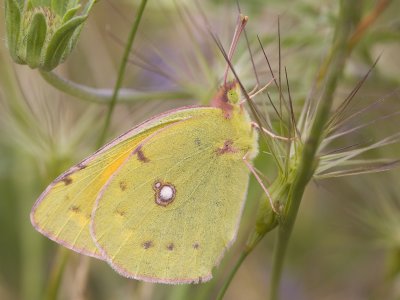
(75, 208)
(197, 142)
(147, 244)
(170, 246)
(67, 180)
(120, 212)
(196, 246)
(140, 155)
(66, 176)
(226, 148)
(122, 185)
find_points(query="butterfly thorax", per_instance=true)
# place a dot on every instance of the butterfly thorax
(245, 139)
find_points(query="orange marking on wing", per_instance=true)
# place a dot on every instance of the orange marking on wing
(111, 168)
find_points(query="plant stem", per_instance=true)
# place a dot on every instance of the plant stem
(104, 96)
(57, 272)
(239, 262)
(308, 159)
(121, 71)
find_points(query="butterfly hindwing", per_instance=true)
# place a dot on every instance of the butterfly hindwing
(172, 208)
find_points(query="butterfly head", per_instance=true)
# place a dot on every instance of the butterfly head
(233, 93)
(227, 98)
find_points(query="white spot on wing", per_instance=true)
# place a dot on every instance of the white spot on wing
(166, 193)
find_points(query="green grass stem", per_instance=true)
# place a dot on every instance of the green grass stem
(232, 274)
(121, 71)
(308, 160)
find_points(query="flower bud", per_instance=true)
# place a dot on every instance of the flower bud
(42, 34)
(267, 219)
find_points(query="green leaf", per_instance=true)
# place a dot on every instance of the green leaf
(21, 3)
(77, 32)
(88, 7)
(59, 43)
(28, 5)
(58, 7)
(72, 3)
(35, 40)
(70, 14)
(13, 23)
(73, 41)
(38, 3)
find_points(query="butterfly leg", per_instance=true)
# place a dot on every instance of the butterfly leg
(255, 91)
(252, 92)
(270, 133)
(252, 170)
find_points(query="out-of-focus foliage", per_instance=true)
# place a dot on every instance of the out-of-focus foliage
(346, 240)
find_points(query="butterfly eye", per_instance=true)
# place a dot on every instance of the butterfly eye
(165, 193)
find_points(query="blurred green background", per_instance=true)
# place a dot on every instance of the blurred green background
(346, 242)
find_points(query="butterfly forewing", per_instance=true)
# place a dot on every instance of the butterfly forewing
(63, 211)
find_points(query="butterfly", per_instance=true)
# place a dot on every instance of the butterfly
(162, 202)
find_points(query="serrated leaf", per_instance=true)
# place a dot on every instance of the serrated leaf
(13, 24)
(35, 40)
(59, 43)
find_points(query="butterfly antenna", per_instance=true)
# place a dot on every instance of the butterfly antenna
(241, 23)
(228, 61)
(249, 100)
(250, 52)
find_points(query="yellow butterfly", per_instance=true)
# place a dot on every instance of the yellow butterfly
(162, 202)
